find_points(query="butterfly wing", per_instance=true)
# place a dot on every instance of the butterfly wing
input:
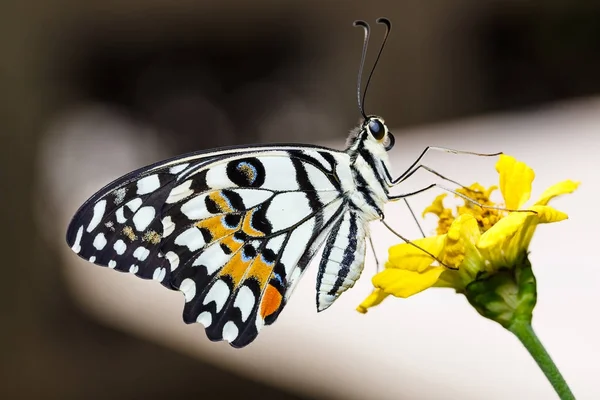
(232, 230)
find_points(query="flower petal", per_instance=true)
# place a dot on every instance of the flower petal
(375, 298)
(515, 181)
(547, 214)
(563, 187)
(409, 257)
(504, 243)
(503, 230)
(404, 283)
(437, 207)
(509, 225)
(464, 230)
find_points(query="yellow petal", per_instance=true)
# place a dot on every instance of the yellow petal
(563, 187)
(404, 283)
(375, 298)
(510, 237)
(411, 258)
(463, 230)
(503, 230)
(515, 181)
(437, 207)
(547, 214)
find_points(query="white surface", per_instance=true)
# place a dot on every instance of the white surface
(432, 346)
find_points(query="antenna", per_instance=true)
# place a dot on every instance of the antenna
(367, 29)
(388, 28)
(361, 66)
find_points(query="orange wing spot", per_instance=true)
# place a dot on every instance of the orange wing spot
(232, 243)
(236, 268)
(247, 227)
(216, 226)
(221, 202)
(270, 302)
(261, 271)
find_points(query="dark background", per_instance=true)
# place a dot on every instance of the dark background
(212, 73)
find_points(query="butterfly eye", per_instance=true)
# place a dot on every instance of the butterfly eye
(376, 128)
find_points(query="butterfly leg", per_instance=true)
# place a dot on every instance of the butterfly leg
(410, 170)
(377, 264)
(414, 216)
(467, 198)
(405, 240)
(430, 170)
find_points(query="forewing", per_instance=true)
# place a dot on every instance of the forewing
(230, 229)
(240, 233)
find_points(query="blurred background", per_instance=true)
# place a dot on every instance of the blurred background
(93, 89)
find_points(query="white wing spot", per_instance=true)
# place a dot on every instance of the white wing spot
(99, 208)
(134, 269)
(168, 226)
(148, 184)
(205, 319)
(143, 217)
(230, 331)
(99, 241)
(191, 238)
(93, 259)
(324, 163)
(180, 192)
(159, 274)
(112, 264)
(173, 260)
(120, 213)
(120, 247)
(260, 322)
(178, 168)
(77, 244)
(219, 292)
(134, 204)
(245, 302)
(141, 253)
(212, 258)
(195, 208)
(288, 209)
(188, 287)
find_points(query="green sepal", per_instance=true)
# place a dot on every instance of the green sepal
(507, 295)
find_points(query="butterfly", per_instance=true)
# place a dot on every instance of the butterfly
(234, 229)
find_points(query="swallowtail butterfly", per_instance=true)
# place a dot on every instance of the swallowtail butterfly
(234, 229)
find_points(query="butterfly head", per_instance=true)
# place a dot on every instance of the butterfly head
(372, 135)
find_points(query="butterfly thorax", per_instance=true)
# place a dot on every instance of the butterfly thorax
(367, 160)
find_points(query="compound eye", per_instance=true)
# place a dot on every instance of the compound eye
(376, 128)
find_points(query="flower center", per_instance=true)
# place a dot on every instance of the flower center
(486, 218)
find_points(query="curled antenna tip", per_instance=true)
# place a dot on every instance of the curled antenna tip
(360, 22)
(384, 21)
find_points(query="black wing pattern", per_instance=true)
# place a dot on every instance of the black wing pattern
(232, 229)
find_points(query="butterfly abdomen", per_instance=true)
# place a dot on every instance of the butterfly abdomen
(343, 259)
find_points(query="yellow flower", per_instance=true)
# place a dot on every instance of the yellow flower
(475, 242)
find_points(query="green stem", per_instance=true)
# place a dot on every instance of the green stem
(524, 332)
